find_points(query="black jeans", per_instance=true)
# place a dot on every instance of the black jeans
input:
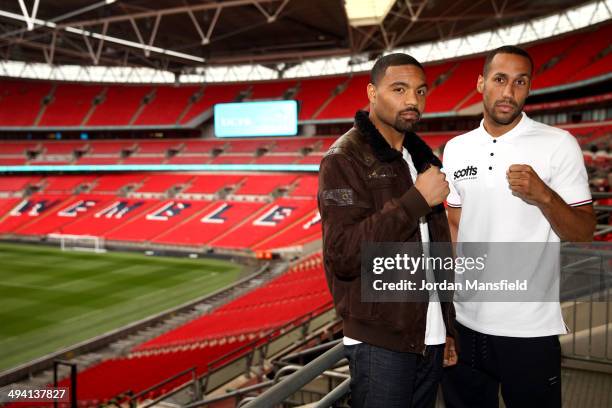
(389, 379)
(528, 370)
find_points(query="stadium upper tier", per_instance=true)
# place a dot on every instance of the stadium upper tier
(559, 61)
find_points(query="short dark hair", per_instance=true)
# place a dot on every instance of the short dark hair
(391, 60)
(506, 49)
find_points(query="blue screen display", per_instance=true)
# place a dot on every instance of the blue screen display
(246, 119)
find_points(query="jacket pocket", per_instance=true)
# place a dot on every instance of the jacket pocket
(356, 308)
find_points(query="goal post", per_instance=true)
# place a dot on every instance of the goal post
(88, 243)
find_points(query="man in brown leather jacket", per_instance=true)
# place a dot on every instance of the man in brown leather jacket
(381, 183)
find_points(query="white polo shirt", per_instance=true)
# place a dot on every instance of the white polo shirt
(475, 164)
(435, 331)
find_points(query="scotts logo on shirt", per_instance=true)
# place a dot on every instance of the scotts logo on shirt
(468, 172)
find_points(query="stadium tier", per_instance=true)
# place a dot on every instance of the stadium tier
(70, 105)
(137, 208)
(166, 106)
(220, 336)
(20, 101)
(558, 61)
(119, 105)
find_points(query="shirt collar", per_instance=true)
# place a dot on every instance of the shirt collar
(510, 135)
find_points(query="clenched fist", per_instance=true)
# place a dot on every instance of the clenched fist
(432, 185)
(525, 183)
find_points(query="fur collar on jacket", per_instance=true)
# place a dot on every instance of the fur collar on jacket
(421, 153)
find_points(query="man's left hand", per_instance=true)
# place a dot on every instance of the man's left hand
(527, 185)
(450, 353)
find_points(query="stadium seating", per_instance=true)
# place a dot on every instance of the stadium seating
(65, 184)
(313, 93)
(70, 105)
(20, 101)
(62, 148)
(307, 229)
(567, 58)
(270, 220)
(212, 94)
(455, 89)
(69, 210)
(160, 183)
(213, 221)
(119, 106)
(16, 183)
(581, 51)
(293, 294)
(157, 147)
(305, 186)
(167, 105)
(276, 159)
(97, 160)
(160, 218)
(292, 145)
(233, 159)
(202, 146)
(211, 340)
(112, 183)
(264, 184)
(102, 147)
(212, 183)
(144, 160)
(345, 104)
(270, 90)
(12, 161)
(29, 210)
(115, 376)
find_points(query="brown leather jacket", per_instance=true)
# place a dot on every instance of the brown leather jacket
(366, 193)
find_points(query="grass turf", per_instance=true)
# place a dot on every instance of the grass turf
(50, 299)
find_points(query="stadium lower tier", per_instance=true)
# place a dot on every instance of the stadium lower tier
(210, 340)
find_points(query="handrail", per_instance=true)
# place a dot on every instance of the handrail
(162, 383)
(243, 350)
(337, 393)
(279, 392)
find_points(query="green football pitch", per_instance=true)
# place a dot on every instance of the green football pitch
(50, 299)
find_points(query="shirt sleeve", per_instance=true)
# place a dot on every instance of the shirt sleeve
(569, 177)
(454, 199)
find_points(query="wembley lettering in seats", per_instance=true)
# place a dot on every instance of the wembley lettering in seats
(168, 211)
(73, 209)
(33, 208)
(216, 216)
(118, 209)
(274, 216)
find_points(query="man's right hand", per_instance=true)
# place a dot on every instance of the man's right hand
(432, 185)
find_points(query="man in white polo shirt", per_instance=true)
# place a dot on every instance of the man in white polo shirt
(512, 180)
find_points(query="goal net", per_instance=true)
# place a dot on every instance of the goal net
(87, 243)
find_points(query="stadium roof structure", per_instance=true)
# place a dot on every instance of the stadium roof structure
(182, 38)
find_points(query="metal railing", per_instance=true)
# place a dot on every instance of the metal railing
(588, 311)
(589, 337)
(240, 361)
(296, 381)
